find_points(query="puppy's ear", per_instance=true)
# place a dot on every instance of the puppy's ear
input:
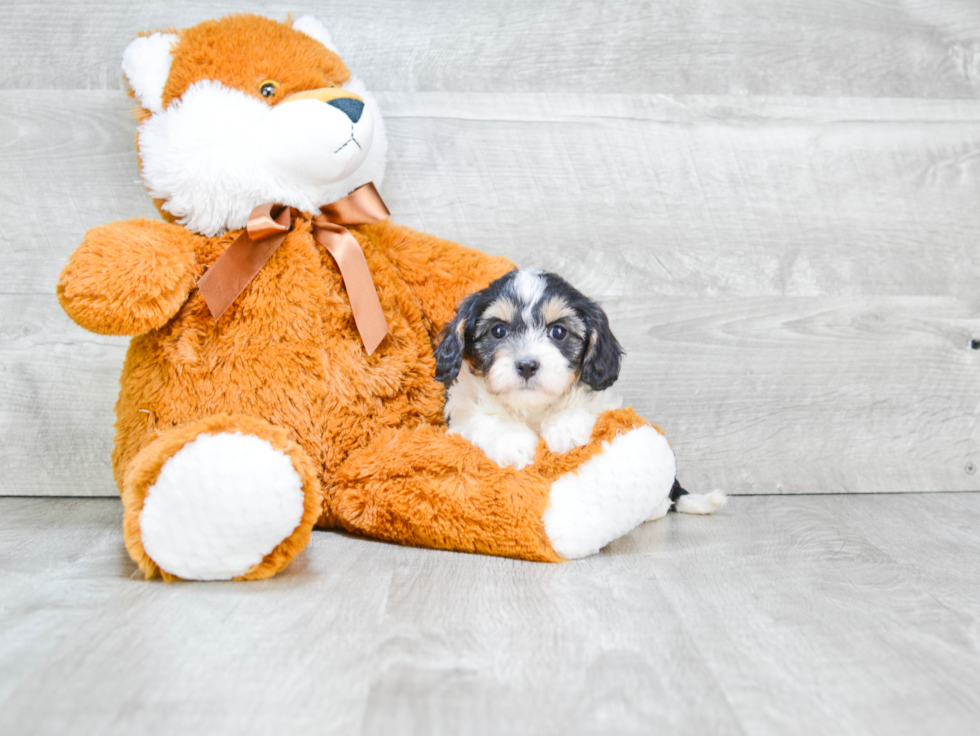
(603, 353)
(452, 341)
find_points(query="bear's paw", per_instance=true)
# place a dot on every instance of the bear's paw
(220, 504)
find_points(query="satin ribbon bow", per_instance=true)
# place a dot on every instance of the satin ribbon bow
(267, 228)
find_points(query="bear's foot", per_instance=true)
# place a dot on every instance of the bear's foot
(611, 493)
(219, 506)
(224, 498)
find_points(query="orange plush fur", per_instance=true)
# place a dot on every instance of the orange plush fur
(285, 363)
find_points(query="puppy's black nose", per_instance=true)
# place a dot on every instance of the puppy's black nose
(350, 108)
(527, 368)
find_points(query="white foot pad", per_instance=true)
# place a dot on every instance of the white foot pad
(610, 494)
(220, 504)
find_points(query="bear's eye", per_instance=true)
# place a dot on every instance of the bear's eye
(499, 332)
(268, 88)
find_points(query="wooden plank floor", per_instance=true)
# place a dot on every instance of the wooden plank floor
(780, 615)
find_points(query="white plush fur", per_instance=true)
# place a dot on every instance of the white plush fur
(219, 506)
(662, 510)
(315, 30)
(611, 493)
(509, 433)
(146, 63)
(216, 153)
(701, 503)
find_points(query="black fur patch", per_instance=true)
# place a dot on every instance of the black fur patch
(604, 355)
(451, 350)
(676, 492)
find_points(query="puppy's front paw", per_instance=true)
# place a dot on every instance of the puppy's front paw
(568, 429)
(514, 445)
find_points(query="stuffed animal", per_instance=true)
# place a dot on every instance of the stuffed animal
(281, 373)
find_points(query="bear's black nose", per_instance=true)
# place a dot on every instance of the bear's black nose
(350, 108)
(527, 368)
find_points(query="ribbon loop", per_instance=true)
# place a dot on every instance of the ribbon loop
(361, 207)
(262, 222)
(268, 226)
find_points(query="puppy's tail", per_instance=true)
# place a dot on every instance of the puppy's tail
(695, 503)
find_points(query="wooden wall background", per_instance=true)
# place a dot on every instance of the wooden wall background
(777, 202)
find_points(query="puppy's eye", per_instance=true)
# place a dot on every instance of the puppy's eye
(499, 332)
(268, 88)
(557, 333)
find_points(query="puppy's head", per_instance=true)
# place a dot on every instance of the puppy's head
(530, 335)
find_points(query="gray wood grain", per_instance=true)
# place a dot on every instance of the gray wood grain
(809, 395)
(699, 196)
(58, 387)
(851, 607)
(775, 616)
(900, 48)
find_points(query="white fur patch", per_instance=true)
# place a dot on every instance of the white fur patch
(146, 64)
(505, 442)
(568, 429)
(509, 434)
(610, 494)
(220, 504)
(315, 30)
(216, 153)
(529, 286)
(701, 503)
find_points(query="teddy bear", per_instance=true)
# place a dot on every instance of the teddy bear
(280, 374)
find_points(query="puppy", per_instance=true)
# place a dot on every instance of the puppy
(531, 357)
(527, 357)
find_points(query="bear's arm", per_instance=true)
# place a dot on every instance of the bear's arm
(440, 272)
(127, 278)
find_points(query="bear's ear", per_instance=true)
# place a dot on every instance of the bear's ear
(146, 64)
(315, 30)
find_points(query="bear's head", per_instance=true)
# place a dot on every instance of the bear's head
(245, 110)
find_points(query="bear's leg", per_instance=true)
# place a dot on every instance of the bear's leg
(219, 498)
(426, 488)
